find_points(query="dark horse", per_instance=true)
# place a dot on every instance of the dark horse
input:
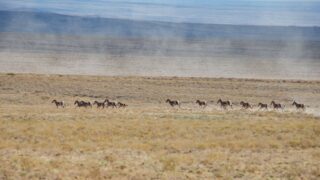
(173, 103)
(277, 105)
(263, 106)
(99, 104)
(299, 106)
(121, 105)
(202, 103)
(58, 103)
(110, 103)
(224, 104)
(82, 104)
(245, 105)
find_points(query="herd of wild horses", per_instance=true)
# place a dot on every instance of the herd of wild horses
(244, 105)
(175, 103)
(105, 104)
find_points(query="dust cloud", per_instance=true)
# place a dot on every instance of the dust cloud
(49, 43)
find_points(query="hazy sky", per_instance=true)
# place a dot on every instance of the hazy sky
(257, 12)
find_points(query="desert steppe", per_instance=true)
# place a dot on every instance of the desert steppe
(151, 140)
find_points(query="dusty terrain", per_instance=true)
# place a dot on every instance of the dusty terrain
(150, 140)
(257, 58)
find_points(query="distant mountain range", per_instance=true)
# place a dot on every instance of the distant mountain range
(50, 23)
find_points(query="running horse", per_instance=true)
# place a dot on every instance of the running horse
(263, 106)
(277, 105)
(58, 103)
(82, 104)
(99, 104)
(121, 105)
(173, 103)
(110, 103)
(298, 106)
(245, 105)
(224, 104)
(202, 103)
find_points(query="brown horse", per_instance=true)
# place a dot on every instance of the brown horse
(277, 105)
(99, 104)
(224, 104)
(173, 103)
(58, 103)
(245, 105)
(121, 105)
(82, 104)
(202, 103)
(263, 106)
(110, 103)
(298, 106)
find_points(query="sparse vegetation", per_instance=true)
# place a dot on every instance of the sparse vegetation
(150, 139)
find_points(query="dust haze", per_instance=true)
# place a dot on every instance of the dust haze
(49, 43)
(149, 57)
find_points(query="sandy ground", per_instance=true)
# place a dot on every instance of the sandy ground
(149, 140)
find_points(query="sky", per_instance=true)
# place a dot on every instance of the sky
(245, 12)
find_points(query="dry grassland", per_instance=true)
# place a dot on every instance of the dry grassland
(149, 140)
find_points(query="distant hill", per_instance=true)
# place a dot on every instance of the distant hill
(48, 32)
(50, 23)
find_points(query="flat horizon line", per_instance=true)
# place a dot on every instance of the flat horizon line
(230, 78)
(150, 21)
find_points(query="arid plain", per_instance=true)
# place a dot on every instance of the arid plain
(149, 139)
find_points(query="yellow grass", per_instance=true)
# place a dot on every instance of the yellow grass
(149, 140)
